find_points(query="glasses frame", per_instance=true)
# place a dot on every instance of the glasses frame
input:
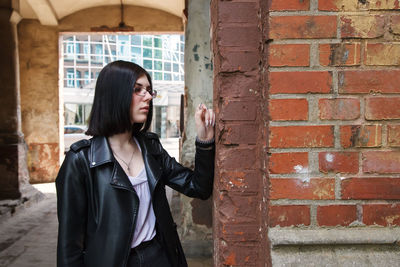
(139, 92)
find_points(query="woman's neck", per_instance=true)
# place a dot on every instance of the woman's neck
(121, 140)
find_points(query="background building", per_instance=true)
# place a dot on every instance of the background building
(84, 55)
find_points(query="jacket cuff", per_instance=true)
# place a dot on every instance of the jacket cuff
(205, 145)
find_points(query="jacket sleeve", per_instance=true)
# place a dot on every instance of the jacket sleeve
(193, 183)
(71, 212)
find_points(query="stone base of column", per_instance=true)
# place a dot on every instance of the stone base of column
(15, 191)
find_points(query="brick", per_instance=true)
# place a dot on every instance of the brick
(338, 162)
(240, 181)
(339, 109)
(394, 135)
(371, 188)
(382, 54)
(244, 133)
(237, 208)
(395, 24)
(244, 61)
(381, 161)
(340, 54)
(237, 12)
(292, 55)
(288, 162)
(381, 214)
(301, 136)
(302, 188)
(233, 158)
(233, 253)
(302, 27)
(361, 136)
(382, 108)
(238, 85)
(239, 36)
(289, 5)
(236, 110)
(336, 215)
(362, 26)
(370, 81)
(343, 5)
(383, 5)
(301, 82)
(288, 109)
(288, 215)
(240, 232)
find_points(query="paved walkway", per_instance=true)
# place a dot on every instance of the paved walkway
(29, 239)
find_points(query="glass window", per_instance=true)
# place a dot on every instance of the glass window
(98, 49)
(110, 38)
(78, 48)
(86, 49)
(124, 49)
(176, 57)
(157, 65)
(78, 76)
(167, 55)
(147, 52)
(136, 40)
(70, 78)
(167, 66)
(176, 67)
(147, 40)
(70, 48)
(148, 64)
(157, 42)
(123, 37)
(157, 54)
(167, 77)
(176, 77)
(158, 76)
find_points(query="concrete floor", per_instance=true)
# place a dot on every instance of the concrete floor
(29, 238)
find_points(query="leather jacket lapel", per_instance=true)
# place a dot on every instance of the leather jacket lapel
(100, 153)
(153, 167)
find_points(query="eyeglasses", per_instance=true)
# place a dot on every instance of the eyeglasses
(141, 91)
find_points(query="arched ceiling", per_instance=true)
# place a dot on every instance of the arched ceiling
(50, 11)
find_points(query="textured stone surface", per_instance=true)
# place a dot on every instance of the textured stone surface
(194, 217)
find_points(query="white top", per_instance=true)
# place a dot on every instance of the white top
(145, 221)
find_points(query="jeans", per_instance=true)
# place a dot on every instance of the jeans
(148, 254)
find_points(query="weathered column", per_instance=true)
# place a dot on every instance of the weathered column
(12, 148)
(240, 191)
(39, 57)
(195, 216)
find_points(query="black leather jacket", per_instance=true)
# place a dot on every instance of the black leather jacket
(97, 205)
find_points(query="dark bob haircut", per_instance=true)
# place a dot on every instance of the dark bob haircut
(110, 112)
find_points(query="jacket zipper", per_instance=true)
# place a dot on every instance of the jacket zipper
(131, 232)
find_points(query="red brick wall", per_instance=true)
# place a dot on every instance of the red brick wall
(307, 95)
(239, 55)
(334, 113)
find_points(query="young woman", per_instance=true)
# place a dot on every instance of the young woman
(112, 207)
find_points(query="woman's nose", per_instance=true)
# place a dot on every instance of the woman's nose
(147, 96)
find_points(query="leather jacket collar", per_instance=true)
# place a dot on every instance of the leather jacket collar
(100, 153)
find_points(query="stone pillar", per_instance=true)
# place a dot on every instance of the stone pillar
(240, 85)
(12, 147)
(195, 218)
(39, 57)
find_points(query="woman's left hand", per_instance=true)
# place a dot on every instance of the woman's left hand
(205, 121)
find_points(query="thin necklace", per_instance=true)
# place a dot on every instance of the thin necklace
(127, 164)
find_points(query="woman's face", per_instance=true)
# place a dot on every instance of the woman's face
(140, 100)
